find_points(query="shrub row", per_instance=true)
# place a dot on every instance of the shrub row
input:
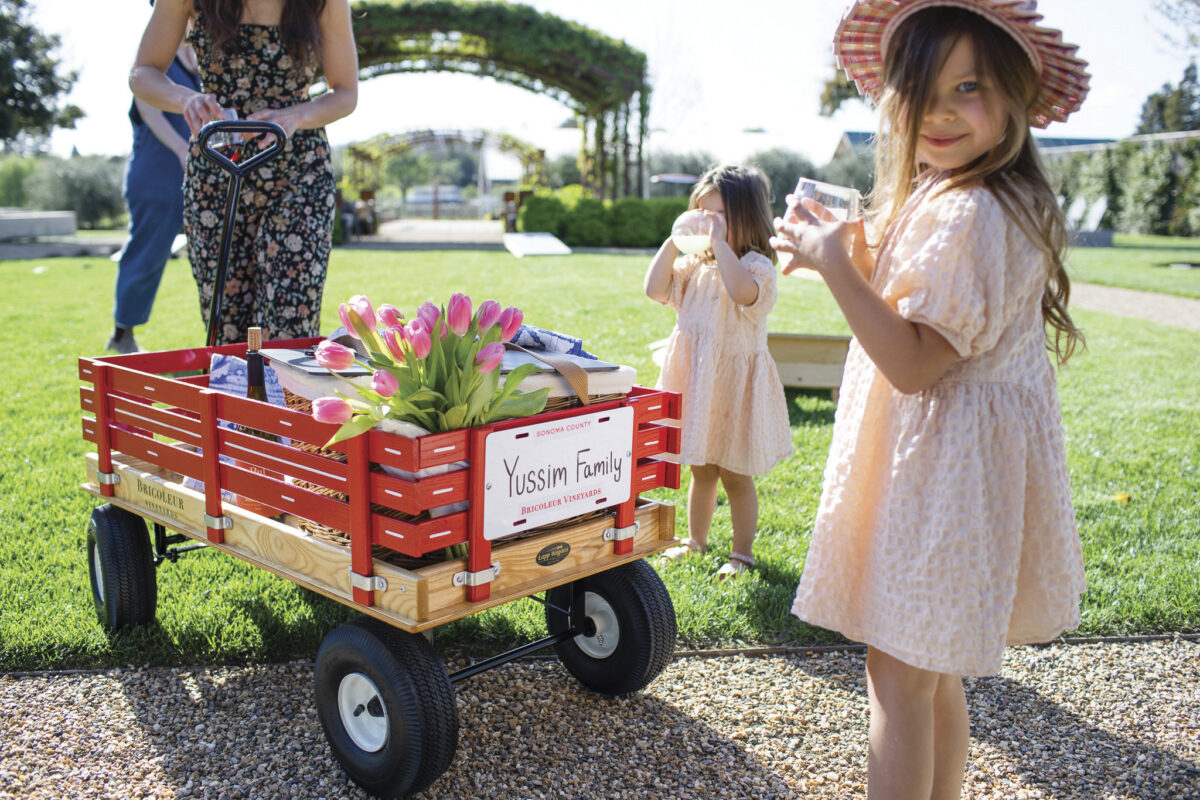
(88, 185)
(1146, 187)
(588, 222)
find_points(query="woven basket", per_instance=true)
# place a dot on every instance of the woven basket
(323, 532)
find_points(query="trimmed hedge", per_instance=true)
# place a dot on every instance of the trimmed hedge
(588, 222)
(542, 213)
(665, 210)
(631, 222)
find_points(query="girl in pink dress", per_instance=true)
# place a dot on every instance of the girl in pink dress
(735, 421)
(945, 529)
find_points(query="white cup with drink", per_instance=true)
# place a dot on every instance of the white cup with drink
(692, 232)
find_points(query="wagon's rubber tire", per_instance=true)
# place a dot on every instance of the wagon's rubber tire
(121, 567)
(631, 628)
(385, 701)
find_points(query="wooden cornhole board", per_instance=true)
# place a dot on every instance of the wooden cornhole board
(809, 361)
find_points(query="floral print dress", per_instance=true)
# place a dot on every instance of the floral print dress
(283, 229)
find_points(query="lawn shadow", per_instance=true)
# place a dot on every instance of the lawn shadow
(280, 636)
(802, 411)
(480, 635)
(768, 607)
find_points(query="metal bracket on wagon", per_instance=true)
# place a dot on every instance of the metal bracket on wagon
(108, 478)
(220, 523)
(465, 578)
(621, 534)
(368, 583)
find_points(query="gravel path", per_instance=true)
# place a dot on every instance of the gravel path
(1165, 309)
(1111, 720)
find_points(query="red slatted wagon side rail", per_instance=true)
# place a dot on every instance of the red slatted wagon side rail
(146, 407)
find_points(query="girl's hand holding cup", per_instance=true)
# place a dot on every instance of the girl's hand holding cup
(719, 229)
(822, 225)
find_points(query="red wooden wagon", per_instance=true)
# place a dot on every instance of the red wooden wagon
(384, 696)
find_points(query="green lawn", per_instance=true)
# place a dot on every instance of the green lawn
(1140, 262)
(1131, 404)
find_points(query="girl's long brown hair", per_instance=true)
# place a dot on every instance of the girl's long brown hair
(746, 195)
(299, 27)
(1012, 170)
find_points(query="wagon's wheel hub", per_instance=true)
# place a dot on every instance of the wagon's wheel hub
(362, 712)
(602, 632)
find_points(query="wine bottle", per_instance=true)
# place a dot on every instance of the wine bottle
(256, 386)
(256, 389)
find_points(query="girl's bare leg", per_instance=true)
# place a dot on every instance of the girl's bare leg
(743, 510)
(951, 738)
(901, 752)
(702, 501)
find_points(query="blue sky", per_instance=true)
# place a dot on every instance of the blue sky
(717, 69)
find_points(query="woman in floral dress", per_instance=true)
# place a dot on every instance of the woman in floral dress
(258, 58)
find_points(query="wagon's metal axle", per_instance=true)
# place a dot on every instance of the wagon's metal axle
(580, 626)
(162, 551)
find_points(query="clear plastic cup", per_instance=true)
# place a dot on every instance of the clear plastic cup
(843, 202)
(225, 142)
(692, 232)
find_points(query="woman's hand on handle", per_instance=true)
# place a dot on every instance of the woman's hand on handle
(200, 109)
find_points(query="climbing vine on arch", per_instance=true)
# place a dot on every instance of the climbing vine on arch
(601, 79)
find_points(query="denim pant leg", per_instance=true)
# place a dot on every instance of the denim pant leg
(154, 222)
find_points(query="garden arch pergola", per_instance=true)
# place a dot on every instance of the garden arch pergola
(603, 80)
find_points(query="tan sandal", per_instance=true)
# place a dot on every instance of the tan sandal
(673, 554)
(737, 565)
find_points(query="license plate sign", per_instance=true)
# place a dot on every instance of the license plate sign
(543, 473)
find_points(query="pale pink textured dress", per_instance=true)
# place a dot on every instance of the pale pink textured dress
(734, 411)
(945, 528)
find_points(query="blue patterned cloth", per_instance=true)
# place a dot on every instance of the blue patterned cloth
(228, 374)
(535, 338)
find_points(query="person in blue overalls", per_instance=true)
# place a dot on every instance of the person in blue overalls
(154, 193)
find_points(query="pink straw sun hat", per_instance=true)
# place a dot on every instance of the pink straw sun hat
(863, 36)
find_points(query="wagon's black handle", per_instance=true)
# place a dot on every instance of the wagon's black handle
(237, 170)
(240, 168)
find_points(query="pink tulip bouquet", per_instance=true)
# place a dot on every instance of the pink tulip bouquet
(439, 370)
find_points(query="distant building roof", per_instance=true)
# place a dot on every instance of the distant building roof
(860, 138)
(861, 142)
(1050, 142)
(673, 177)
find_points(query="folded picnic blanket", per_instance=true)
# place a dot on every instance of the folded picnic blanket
(535, 338)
